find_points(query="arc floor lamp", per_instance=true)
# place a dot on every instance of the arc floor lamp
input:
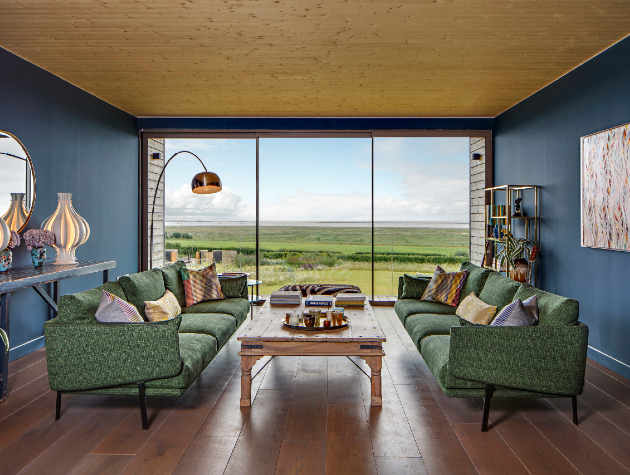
(203, 183)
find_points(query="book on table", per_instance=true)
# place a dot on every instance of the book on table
(319, 301)
(349, 299)
(286, 297)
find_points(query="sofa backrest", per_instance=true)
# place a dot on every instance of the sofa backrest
(142, 287)
(553, 310)
(82, 306)
(499, 290)
(477, 277)
(173, 281)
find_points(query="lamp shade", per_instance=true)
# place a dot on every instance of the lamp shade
(17, 214)
(5, 235)
(70, 229)
(205, 183)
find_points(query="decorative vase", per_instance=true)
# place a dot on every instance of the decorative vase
(70, 230)
(17, 215)
(5, 234)
(38, 256)
(520, 270)
(6, 259)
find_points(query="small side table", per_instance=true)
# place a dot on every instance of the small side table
(254, 297)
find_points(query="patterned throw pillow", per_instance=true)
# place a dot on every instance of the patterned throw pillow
(201, 285)
(162, 309)
(474, 310)
(414, 287)
(113, 309)
(518, 314)
(445, 287)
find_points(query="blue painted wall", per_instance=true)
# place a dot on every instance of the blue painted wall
(538, 142)
(81, 145)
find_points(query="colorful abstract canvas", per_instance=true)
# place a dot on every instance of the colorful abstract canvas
(605, 192)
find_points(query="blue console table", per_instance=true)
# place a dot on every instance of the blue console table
(25, 277)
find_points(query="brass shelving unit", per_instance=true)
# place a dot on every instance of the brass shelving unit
(532, 223)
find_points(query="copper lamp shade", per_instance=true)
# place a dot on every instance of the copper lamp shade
(205, 183)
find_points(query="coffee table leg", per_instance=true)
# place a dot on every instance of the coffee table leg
(375, 363)
(246, 380)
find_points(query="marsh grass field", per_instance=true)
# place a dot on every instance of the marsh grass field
(328, 254)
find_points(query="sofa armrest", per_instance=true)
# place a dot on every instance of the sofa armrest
(401, 283)
(94, 355)
(546, 359)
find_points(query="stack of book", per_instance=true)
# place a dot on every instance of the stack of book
(319, 301)
(286, 297)
(347, 299)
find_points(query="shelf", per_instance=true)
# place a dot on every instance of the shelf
(513, 217)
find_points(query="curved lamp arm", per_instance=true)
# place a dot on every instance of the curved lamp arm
(155, 196)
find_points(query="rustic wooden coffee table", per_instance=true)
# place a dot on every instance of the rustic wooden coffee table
(267, 336)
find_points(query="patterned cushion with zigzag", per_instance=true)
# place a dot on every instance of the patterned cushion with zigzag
(201, 285)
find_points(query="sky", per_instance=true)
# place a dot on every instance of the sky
(322, 179)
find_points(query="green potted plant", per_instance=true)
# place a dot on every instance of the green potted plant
(515, 251)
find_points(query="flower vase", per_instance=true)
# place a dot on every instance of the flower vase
(6, 259)
(520, 270)
(70, 230)
(38, 256)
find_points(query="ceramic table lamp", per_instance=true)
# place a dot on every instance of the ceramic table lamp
(5, 235)
(17, 214)
(70, 230)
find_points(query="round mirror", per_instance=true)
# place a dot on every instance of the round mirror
(17, 182)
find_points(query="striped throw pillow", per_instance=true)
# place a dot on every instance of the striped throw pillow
(518, 314)
(201, 285)
(128, 310)
(445, 287)
(162, 309)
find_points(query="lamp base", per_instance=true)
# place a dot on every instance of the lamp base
(65, 258)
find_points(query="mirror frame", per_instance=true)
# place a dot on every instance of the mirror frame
(30, 163)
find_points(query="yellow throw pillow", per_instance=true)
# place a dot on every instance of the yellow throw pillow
(475, 310)
(165, 308)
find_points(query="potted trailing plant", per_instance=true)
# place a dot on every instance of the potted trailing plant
(515, 251)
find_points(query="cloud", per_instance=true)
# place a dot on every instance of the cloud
(184, 205)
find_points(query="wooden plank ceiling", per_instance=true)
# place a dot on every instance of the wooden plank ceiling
(330, 58)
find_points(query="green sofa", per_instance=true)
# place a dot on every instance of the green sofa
(156, 359)
(547, 360)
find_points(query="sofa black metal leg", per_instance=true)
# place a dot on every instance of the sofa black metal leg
(58, 407)
(486, 408)
(574, 404)
(143, 406)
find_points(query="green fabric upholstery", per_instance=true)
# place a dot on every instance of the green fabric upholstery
(421, 325)
(552, 309)
(218, 325)
(89, 355)
(548, 359)
(234, 287)
(143, 286)
(477, 277)
(238, 308)
(407, 307)
(197, 351)
(498, 290)
(414, 287)
(173, 281)
(82, 306)
(435, 351)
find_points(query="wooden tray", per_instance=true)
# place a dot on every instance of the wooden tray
(346, 322)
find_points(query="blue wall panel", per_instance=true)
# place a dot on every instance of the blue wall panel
(538, 142)
(81, 145)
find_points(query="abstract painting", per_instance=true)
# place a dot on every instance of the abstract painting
(605, 192)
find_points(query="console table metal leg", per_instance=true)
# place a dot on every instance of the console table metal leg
(55, 297)
(5, 315)
(105, 276)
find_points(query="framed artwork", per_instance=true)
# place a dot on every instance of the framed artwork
(605, 186)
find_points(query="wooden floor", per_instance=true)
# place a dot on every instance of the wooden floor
(311, 415)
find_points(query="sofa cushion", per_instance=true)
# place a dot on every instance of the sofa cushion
(164, 308)
(83, 305)
(475, 310)
(518, 314)
(477, 277)
(173, 281)
(201, 285)
(499, 290)
(435, 350)
(238, 308)
(414, 287)
(445, 287)
(143, 286)
(552, 309)
(234, 287)
(407, 307)
(219, 325)
(113, 309)
(196, 351)
(422, 325)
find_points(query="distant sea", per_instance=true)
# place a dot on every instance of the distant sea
(332, 224)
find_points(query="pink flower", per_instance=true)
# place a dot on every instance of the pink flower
(14, 241)
(38, 238)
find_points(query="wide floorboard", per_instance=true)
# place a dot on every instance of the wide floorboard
(312, 415)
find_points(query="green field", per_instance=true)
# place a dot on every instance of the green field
(340, 255)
